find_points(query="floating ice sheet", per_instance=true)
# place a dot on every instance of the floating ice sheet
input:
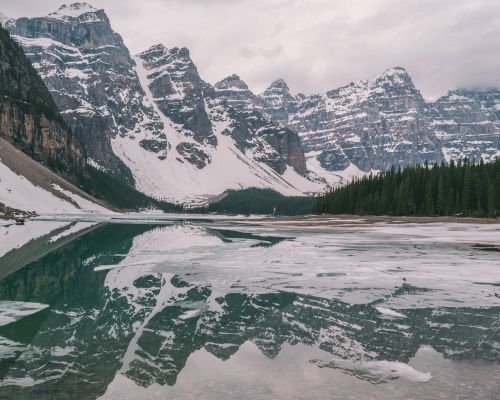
(11, 311)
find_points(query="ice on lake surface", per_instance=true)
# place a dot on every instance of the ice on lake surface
(250, 309)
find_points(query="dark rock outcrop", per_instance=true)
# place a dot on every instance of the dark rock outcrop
(235, 92)
(178, 90)
(270, 143)
(29, 118)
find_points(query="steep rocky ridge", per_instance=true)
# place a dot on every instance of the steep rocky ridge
(236, 92)
(226, 144)
(90, 73)
(467, 124)
(383, 122)
(29, 117)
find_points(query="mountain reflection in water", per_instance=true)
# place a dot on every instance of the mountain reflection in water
(122, 303)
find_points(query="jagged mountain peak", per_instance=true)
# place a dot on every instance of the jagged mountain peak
(458, 95)
(395, 75)
(181, 52)
(277, 102)
(467, 94)
(161, 51)
(395, 78)
(73, 10)
(175, 60)
(231, 82)
(279, 85)
(395, 71)
(154, 49)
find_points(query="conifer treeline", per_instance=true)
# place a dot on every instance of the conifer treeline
(462, 188)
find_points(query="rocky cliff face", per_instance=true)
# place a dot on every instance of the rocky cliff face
(270, 143)
(236, 93)
(277, 102)
(251, 128)
(383, 122)
(88, 70)
(467, 124)
(29, 117)
(178, 90)
(199, 111)
(375, 124)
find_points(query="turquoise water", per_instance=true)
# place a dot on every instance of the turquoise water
(224, 310)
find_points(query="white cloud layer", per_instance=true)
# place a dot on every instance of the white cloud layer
(315, 45)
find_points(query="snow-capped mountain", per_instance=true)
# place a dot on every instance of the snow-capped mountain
(277, 104)
(373, 124)
(152, 120)
(34, 138)
(154, 114)
(384, 121)
(467, 124)
(206, 146)
(236, 92)
(91, 76)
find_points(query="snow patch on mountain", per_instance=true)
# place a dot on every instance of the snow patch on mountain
(75, 10)
(19, 193)
(174, 176)
(4, 18)
(183, 182)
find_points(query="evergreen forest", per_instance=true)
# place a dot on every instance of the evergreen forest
(464, 188)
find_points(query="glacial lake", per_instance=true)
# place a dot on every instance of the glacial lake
(310, 308)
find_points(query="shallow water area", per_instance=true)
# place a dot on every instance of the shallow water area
(175, 306)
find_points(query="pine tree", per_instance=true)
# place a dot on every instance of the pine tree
(491, 201)
(467, 191)
(442, 208)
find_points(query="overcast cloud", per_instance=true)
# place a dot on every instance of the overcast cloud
(315, 45)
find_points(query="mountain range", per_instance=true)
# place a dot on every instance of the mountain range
(151, 121)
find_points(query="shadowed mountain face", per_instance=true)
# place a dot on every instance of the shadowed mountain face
(89, 71)
(126, 319)
(29, 118)
(200, 109)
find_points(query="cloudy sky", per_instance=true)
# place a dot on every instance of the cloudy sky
(315, 45)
